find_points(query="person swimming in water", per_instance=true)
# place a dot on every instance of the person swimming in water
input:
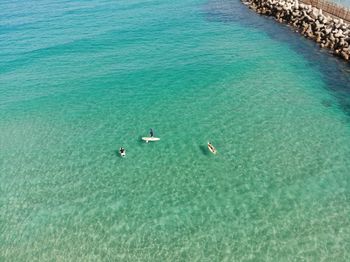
(122, 151)
(212, 148)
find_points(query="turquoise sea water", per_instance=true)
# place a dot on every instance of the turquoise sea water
(80, 79)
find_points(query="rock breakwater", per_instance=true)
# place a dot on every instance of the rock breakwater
(329, 32)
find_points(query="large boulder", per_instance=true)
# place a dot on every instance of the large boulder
(345, 55)
(318, 37)
(296, 4)
(339, 34)
(328, 30)
(309, 33)
(314, 13)
(318, 25)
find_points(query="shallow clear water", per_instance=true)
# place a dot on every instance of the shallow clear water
(80, 79)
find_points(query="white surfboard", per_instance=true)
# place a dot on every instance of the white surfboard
(150, 139)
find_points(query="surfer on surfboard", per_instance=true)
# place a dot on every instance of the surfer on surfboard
(151, 137)
(211, 148)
